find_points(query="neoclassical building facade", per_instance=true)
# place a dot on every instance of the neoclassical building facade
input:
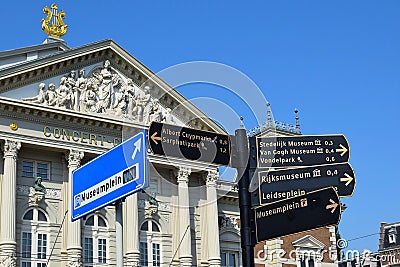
(62, 107)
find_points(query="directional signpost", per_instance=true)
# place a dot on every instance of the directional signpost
(313, 210)
(181, 142)
(300, 181)
(111, 176)
(274, 152)
(275, 185)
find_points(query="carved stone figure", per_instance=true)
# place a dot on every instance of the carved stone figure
(81, 85)
(35, 197)
(70, 83)
(229, 222)
(106, 89)
(90, 102)
(121, 102)
(40, 98)
(168, 118)
(141, 102)
(130, 90)
(155, 113)
(51, 95)
(64, 97)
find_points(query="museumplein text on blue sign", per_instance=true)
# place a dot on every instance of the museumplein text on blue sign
(111, 176)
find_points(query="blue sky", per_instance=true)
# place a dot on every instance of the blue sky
(338, 62)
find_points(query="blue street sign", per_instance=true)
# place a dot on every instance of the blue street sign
(111, 176)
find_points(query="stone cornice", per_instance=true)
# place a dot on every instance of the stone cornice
(39, 113)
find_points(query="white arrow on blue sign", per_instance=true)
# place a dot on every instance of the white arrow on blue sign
(111, 176)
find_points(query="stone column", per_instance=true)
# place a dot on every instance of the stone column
(214, 256)
(8, 244)
(185, 252)
(132, 230)
(74, 247)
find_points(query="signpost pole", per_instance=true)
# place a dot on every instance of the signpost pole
(242, 153)
(119, 234)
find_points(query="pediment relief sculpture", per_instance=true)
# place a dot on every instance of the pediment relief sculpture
(103, 91)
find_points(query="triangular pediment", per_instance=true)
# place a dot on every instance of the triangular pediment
(308, 242)
(99, 80)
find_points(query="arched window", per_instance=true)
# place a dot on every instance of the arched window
(150, 244)
(95, 241)
(34, 238)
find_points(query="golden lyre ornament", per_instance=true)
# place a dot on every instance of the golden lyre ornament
(53, 24)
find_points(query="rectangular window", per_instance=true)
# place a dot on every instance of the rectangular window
(41, 265)
(102, 251)
(35, 169)
(26, 245)
(229, 259)
(26, 264)
(143, 254)
(223, 259)
(42, 170)
(88, 250)
(156, 255)
(27, 168)
(153, 185)
(232, 259)
(307, 263)
(42, 245)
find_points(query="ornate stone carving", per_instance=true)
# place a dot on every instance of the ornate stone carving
(229, 222)
(103, 91)
(35, 197)
(164, 206)
(9, 260)
(183, 174)
(49, 192)
(74, 262)
(211, 177)
(40, 98)
(11, 148)
(132, 263)
(150, 209)
(74, 158)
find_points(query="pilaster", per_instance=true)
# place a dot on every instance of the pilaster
(132, 230)
(8, 204)
(185, 252)
(214, 257)
(74, 247)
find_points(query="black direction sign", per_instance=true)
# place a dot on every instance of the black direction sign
(188, 143)
(275, 185)
(313, 210)
(274, 152)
